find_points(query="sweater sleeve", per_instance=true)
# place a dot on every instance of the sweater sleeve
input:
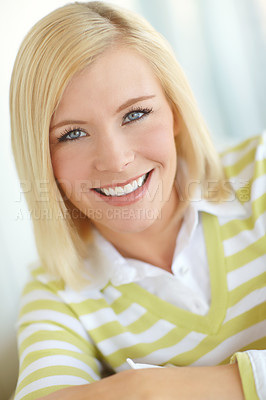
(252, 368)
(55, 351)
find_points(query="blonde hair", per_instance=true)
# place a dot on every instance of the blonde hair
(57, 47)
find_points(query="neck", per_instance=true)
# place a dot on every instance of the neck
(154, 245)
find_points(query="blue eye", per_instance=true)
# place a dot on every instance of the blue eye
(133, 116)
(136, 115)
(72, 135)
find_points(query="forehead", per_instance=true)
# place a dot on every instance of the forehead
(115, 75)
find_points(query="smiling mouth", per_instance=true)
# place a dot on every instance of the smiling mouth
(123, 190)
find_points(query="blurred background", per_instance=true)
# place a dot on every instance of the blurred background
(221, 45)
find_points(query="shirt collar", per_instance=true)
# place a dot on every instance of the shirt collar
(107, 264)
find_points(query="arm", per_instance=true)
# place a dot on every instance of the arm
(55, 351)
(184, 383)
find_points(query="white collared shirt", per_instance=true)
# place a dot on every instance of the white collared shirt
(188, 286)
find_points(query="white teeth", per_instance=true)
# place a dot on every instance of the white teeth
(140, 180)
(111, 192)
(135, 185)
(119, 191)
(129, 188)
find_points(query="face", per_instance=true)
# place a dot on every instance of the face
(112, 144)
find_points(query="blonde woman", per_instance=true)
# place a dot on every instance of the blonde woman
(152, 247)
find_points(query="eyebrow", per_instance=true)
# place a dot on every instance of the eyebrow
(133, 101)
(128, 103)
(67, 122)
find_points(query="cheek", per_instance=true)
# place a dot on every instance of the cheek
(70, 171)
(160, 144)
(68, 164)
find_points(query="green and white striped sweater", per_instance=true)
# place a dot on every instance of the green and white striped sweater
(68, 338)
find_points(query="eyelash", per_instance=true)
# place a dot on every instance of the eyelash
(62, 137)
(145, 111)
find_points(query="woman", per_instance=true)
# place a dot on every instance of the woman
(151, 248)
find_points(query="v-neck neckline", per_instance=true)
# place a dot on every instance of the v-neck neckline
(210, 322)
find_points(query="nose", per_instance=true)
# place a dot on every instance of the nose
(113, 154)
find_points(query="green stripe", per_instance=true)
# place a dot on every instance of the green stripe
(54, 284)
(247, 377)
(259, 206)
(35, 285)
(62, 336)
(88, 359)
(121, 304)
(247, 255)
(145, 322)
(215, 258)
(140, 350)
(57, 285)
(106, 331)
(246, 288)
(260, 169)
(52, 371)
(232, 327)
(48, 305)
(114, 328)
(38, 271)
(256, 345)
(234, 227)
(242, 145)
(89, 306)
(51, 287)
(236, 168)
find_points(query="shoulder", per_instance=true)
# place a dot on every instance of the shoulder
(48, 304)
(41, 283)
(43, 291)
(245, 169)
(40, 300)
(246, 159)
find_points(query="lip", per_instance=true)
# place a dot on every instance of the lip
(120, 183)
(129, 198)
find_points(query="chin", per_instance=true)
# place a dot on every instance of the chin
(126, 220)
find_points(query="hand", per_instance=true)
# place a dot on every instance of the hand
(181, 383)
